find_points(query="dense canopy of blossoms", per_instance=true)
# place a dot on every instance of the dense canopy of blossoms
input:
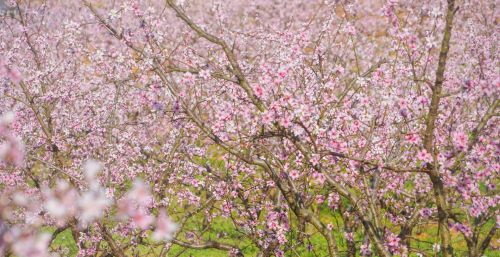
(141, 126)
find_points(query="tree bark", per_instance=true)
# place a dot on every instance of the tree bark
(438, 186)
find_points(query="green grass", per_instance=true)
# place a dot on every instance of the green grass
(65, 241)
(219, 225)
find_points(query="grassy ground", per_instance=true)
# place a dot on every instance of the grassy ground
(424, 235)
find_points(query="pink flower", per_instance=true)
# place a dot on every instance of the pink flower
(12, 151)
(392, 242)
(460, 140)
(338, 69)
(267, 118)
(259, 91)
(413, 138)
(286, 121)
(426, 212)
(319, 178)
(365, 249)
(349, 236)
(204, 74)
(142, 220)
(7, 118)
(60, 202)
(91, 168)
(463, 228)
(165, 228)
(279, 253)
(92, 204)
(282, 74)
(14, 76)
(140, 192)
(294, 174)
(9, 72)
(26, 244)
(424, 156)
(333, 200)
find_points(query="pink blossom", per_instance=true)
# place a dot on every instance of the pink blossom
(392, 242)
(91, 168)
(29, 245)
(319, 178)
(165, 228)
(61, 202)
(92, 204)
(424, 156)
(294, 174)
(141, 219)
(259, 91)
(460, 140)
(413, 138)
(365, 249)
(349, 236)
(204, 74)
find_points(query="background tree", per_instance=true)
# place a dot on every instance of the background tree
(336, 128)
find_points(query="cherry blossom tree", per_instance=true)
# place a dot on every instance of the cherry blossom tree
(337, 128)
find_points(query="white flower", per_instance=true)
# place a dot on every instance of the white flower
(181, 2)
(91, 168)
(55, 208)
(92, 204)
(113, 14)
(436, 247)
(7, 118)
(32, 245)
(435, 12)
(204, 74)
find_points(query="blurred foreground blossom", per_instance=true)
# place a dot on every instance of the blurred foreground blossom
(165, 227)
(28, 244)
(12, 147)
